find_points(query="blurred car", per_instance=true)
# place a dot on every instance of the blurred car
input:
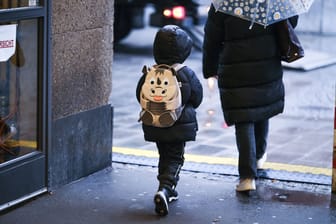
(130, 14)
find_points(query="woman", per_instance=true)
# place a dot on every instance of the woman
(248, 66)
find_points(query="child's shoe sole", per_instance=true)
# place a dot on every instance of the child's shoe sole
(161, 204)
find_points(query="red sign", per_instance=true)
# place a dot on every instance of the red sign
(6, 43)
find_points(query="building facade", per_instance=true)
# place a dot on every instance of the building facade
(55, 82)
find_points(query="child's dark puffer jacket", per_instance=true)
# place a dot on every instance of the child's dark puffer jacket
(172, 45)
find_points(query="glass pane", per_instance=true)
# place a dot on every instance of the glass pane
(9, 4)
(18, 94)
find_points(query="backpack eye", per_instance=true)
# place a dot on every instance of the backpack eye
(166, 82)
(152, 81)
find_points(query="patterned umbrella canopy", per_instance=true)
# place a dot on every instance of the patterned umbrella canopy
(264, 12)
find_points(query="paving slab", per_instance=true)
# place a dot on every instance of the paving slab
(124, 194)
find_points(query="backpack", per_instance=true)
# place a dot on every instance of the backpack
(160, 95)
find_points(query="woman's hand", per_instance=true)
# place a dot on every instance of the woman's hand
(211, 81)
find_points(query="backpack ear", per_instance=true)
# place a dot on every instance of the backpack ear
(144, 70)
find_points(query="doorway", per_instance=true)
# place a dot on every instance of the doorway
(23, 100)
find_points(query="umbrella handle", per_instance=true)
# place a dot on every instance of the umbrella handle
(254, 14)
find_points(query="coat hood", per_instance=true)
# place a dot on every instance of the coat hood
(171, 45)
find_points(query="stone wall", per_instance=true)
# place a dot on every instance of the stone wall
(82, 49)
(81, 71)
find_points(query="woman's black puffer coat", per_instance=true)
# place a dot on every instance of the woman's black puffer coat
(172, 45)
(248, 65)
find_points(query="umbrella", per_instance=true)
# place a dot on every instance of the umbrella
(264, 12)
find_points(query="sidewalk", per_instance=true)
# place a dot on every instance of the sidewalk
(124, 194)
(302, 136)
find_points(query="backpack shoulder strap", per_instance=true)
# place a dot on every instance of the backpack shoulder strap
(178, 66)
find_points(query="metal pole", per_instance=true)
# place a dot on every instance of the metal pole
(334, 152)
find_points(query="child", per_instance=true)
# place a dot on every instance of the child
(173, 45)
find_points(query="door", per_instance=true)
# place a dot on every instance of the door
(24, 100)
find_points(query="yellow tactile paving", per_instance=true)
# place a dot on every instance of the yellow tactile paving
(208, 159)
(226, 161)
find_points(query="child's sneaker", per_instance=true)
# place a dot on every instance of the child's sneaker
(246, 184)
(161, 199)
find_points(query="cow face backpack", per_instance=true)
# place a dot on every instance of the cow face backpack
(160, 96)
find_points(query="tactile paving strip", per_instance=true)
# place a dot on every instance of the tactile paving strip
(228, 170)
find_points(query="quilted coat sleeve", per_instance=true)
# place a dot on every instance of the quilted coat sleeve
(196, 90)
(213, 39)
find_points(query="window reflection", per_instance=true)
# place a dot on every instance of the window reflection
(18, 95)
(9, 4)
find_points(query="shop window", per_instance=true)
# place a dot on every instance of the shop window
(19, 93)
(9, 4)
